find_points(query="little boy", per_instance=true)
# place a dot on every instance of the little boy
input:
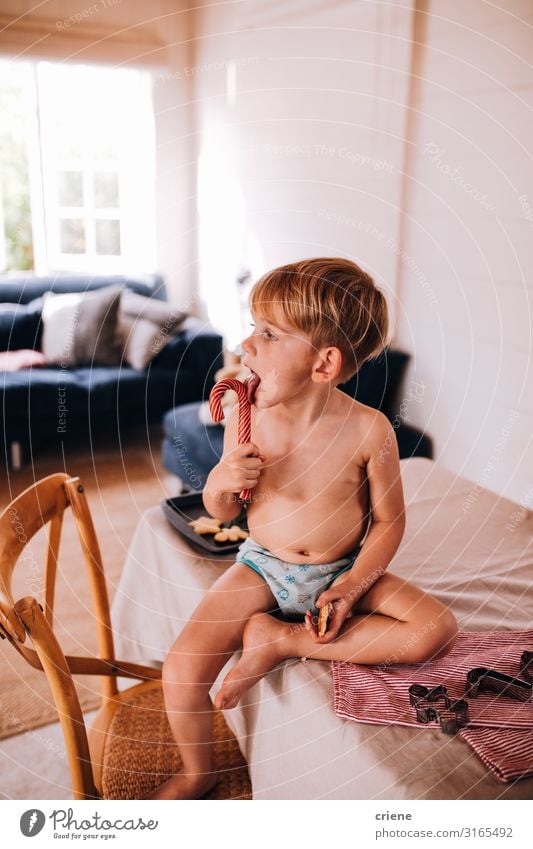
(326, 516)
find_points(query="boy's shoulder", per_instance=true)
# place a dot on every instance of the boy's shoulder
(362, 414)
(372, 426)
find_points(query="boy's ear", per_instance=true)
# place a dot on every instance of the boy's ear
(327, 365)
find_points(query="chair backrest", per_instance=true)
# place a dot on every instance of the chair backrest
(44, 503)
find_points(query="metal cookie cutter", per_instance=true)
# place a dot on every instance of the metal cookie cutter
(450, 715)
(526, 665)
(480, 679)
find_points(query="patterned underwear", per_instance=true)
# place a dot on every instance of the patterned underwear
(295, 586)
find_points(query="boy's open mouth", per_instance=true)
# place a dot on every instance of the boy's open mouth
(252, 383)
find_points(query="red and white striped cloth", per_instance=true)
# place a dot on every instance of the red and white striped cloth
(507, 753)
(500, 729)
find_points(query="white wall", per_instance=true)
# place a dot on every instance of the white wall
(468, 234)
(300, 114)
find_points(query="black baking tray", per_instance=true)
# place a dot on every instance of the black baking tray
(182, 509)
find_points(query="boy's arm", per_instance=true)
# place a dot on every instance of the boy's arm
(387, 509)
(384, 535)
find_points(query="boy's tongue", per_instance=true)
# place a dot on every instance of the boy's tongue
(252, 383)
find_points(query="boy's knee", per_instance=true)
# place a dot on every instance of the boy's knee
(178, 670)
(187, 676)
(440, 634)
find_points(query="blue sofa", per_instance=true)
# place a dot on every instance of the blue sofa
(99, 398)
(191, 449)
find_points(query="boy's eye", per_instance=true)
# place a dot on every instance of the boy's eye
(266, 333)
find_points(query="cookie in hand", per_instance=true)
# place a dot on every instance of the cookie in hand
(323, 616)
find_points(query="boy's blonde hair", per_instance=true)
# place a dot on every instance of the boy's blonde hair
(333, 301)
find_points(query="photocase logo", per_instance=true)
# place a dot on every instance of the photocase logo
(32, 822)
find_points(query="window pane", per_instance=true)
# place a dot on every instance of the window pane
(68, 139)
(105, 147)
(70, 185)
(108, 237)
(72, 236)
(105, 189)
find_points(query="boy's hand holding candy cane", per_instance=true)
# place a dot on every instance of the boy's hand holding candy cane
(237, 470)
(240, 466)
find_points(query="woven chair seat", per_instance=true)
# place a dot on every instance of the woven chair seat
(140, 752)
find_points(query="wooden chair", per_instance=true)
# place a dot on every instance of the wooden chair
(129, 748)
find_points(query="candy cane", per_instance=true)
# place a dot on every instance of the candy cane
(245, 414)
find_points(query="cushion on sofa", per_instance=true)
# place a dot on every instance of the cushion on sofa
(80, 328)
(145, 327)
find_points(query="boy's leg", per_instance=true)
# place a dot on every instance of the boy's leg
(207, 641)
(394, 622)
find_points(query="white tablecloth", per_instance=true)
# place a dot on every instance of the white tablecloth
(467, 546)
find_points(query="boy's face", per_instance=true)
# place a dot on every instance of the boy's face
(281, 355)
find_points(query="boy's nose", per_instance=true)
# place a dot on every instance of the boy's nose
(247, 345)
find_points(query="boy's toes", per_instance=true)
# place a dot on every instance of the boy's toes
(225, 699)
(230, 702)
(219, 702)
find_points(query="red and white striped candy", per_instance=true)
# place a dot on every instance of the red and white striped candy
(245, 414)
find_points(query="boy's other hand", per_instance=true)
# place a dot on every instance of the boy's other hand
(342, 598)
(239, 469)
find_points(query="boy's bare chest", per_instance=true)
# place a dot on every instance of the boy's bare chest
(299, 465)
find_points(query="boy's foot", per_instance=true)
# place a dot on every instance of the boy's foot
(182, 786)
(262, 650)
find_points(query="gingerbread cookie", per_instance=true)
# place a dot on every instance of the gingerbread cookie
(232, 534)
(206, 525)
(323, 616)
